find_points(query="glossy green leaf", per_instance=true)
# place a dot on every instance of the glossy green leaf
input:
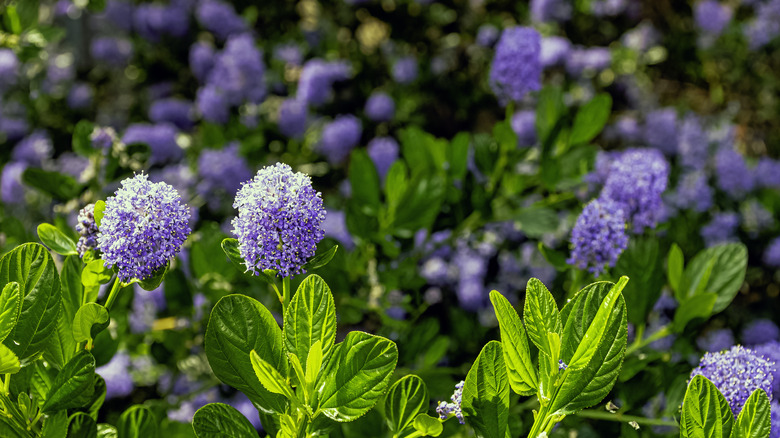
(364, 180)
(74, 385)
(485, 402)
(61, 347)
(458, 155)
(754, 420)
(91, 319)
(9, 430)
(41, 380)
(596, 316)
(427, 425)
(82, 425)
(230, 247)
(95, 274)
(356, 376)
(297, 368)
(407, 398)
(540, 314)
(396, 183)
(549, 109)
(675, 264)
(697, 306)
(72, 289)
(321, 259)
(100, 208)
(56, 240)
(10, 308)
(138, 422)
(514, 342)
(590, 119)
(641, 262)
(705, 412)
(32, 267)
(421, 203)
(271, 380)
(156, 279)
(314, 363)
(310, 317)
(237, 325)
(9, 363)
(217, 420)
(55, 426)
(106, 431)
(726, 275)
(57, 185)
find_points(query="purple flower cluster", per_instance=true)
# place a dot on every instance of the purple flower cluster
(661, 130)
(550, 10)
(145, 306)
(114, 52)
(176, 111)
(383, 152)
(693, 145)
(737, 373)
(599, 236)
(775, 419)
(9, 69)
(636, 180)
(219, 18)
(317, 79)
(760, 331)
(524, 125)
(404, 70)
(554, 50)
(237, 76)
(487, 35)
(161, 139)
(11, 188)
(380, 107)
(693, 192)
(87, 229)
(765, 27)
(154, 21)
(279, 220)
(716, 340)
(445, 409)
(292, 118)
(771, 352)
(582, 59)
(143, 228)
(201, 59)
(767, 173)
(221, 174)
(339, 137)
(34, 149)
(734, 176)
(116, 373)
(772, 253)
(711, 16)
(335, 227)
(516, 67)
(721, 229)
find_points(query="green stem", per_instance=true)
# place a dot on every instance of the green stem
(285, 294)
(540, 422)
(599, 415)
(114, 293)
(7, 384)
(661, 333)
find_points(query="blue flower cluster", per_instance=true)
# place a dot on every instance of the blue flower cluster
(516, 67)
(339, 137)
(599, 236)
(445, 409)
(737, 373)
(87, 229)
(143, 227)
(279, 220)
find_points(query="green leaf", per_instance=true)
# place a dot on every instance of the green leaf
(32, 267)
(540, 314)
(153, 282)
(321, 259)
(485, 402)
(56, 240)
(217, 420)
(10, 308)
(364, 180)
(537, 221)
(754, 420)
(138, 422)
(675, 264)
(91, 319)
(82, 425)
(427, 425)
(705, 412)
(82, 142)
(505, 136)
(237, 325)
(641, 262)
(421, 204)
(74, 385)
(9, 363)
(697, 306)
(517, 356)
(41, 380)
(458, 155)
(230, 247)
(310, 317)
(549, 109)
(55, 426)
(9, 430)
(72, 289)
(396, 183)
(61, 346)
(405, 399)
(313, 363)
(271, 380)
(590, 119)
(106, 431)
(95, 274)
(595, 327)
(356, 376)
(100, 208)
(726, 275)
(58, 186)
